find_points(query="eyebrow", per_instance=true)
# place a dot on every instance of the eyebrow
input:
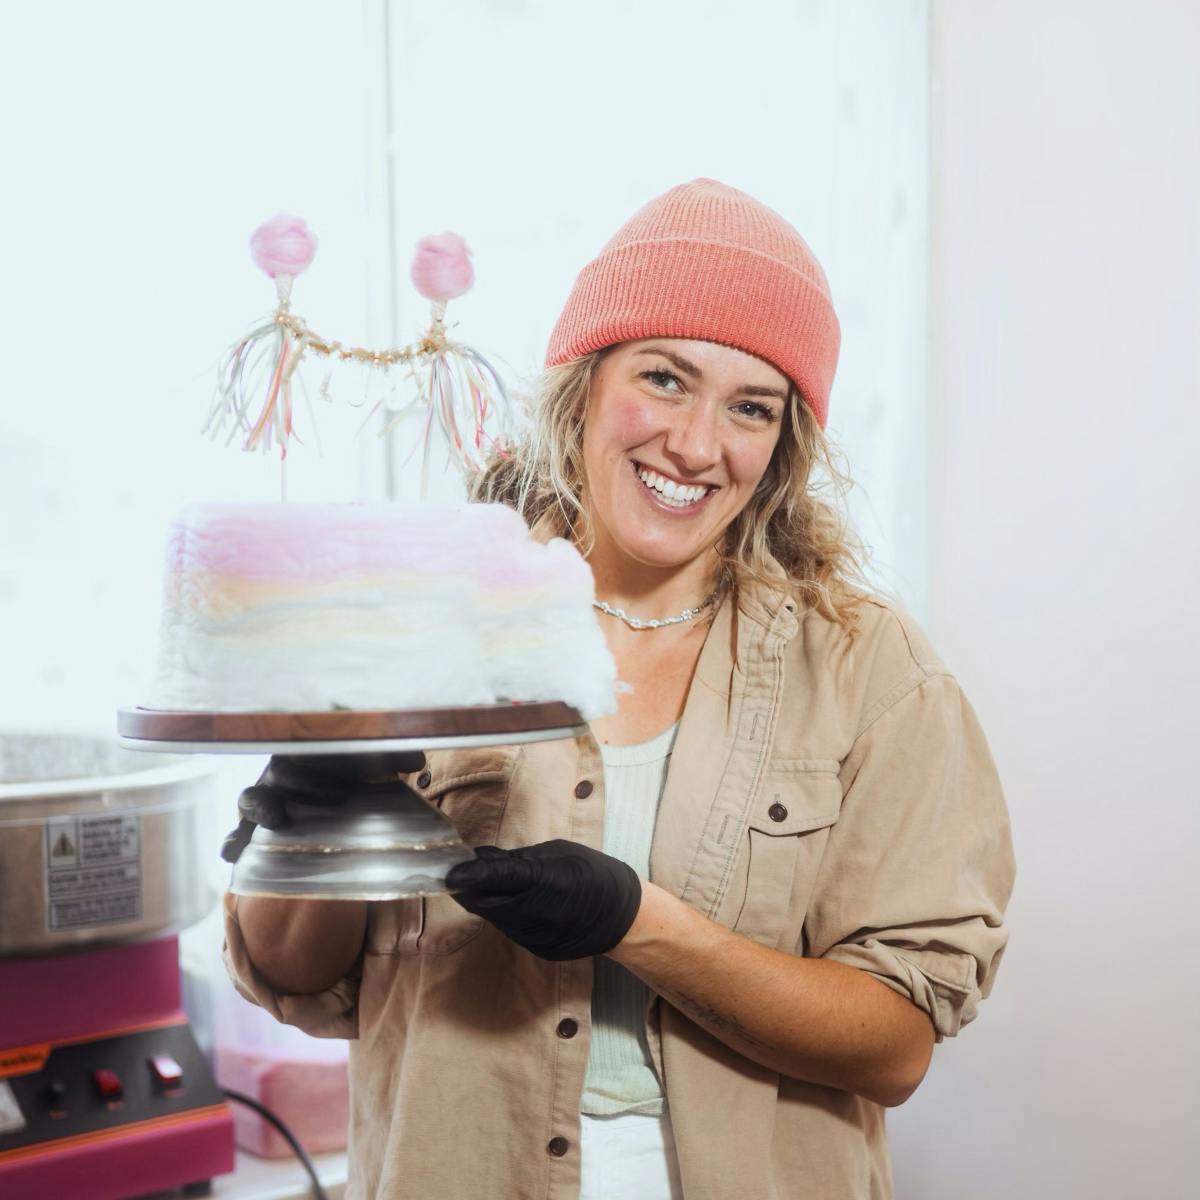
(690, 369)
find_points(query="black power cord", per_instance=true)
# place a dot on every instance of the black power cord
(267, 1115)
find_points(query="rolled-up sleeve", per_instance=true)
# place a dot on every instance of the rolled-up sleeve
(919, 866)
(332, 1013)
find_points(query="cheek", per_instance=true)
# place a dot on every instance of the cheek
(750, 461)
(630, 422)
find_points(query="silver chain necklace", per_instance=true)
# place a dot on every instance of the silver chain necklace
(688, 614)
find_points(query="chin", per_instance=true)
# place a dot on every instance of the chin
(661, 561)
(662, 554)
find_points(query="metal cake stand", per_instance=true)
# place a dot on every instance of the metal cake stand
(384, 842)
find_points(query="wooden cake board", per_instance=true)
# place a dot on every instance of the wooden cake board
(349, 731)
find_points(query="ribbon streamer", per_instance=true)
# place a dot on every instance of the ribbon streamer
(457, 387)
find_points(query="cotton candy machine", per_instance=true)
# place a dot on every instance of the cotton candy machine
(103, 1091)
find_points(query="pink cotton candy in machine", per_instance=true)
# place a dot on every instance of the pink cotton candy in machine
(104, 1092)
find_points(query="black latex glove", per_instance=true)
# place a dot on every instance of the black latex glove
(558, 899)
(321, 779)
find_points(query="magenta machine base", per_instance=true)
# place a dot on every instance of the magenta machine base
(103, 1090)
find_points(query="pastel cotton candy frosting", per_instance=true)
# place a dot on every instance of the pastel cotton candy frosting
(307, 607)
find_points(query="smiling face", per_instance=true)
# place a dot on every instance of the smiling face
(677, 436)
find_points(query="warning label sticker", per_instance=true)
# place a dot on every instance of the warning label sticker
(93, 870)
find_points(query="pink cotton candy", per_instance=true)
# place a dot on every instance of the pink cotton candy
(283, 246)
(310, 540)
(441, 267)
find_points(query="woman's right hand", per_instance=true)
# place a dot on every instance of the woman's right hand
(318, 779)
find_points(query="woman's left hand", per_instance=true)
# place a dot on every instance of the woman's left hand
(813, 1019)
(558, 899)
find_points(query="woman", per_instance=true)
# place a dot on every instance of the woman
(732, 919)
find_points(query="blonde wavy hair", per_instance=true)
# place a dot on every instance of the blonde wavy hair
(788, 518)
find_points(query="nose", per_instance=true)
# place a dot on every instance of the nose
(692, 438)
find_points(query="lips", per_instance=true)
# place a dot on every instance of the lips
(671, 493)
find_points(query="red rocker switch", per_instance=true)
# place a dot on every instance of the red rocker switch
(108, 1083)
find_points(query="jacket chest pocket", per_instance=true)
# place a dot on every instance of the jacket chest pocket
(470, 788)
(782, 849)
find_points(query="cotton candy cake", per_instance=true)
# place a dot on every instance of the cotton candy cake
(309, 607)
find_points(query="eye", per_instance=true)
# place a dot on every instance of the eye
(660, 377)
(754, 410)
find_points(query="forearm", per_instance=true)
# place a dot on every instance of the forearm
(812, 1019)
(302, 946)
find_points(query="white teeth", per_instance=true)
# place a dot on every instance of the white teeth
(677, 495)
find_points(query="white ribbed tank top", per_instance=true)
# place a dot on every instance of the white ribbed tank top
(620, 1073)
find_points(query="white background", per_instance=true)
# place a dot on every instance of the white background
(1005, 198)
(1064, 570)
(142, 144)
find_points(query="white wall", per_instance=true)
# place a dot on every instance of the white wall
(1065, 568)
(142, 144)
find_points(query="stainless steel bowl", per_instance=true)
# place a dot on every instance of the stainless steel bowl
(97, 844)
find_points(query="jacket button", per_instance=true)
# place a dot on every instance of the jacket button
(777, 812)
(583, 789)
(558, 1146)
(567, 1028)
(424, 779)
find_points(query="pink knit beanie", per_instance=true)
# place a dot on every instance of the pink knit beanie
(709, 262)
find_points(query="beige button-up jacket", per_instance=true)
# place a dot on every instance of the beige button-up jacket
(824, 798)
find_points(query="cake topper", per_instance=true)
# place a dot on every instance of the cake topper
(452, 383)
